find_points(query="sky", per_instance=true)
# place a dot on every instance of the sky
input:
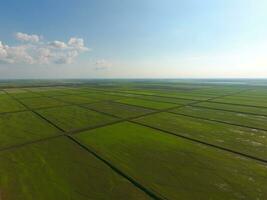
(133, 39)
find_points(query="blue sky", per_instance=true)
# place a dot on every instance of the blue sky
(133, 39)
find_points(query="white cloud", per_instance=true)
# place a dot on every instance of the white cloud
(58, 44)
(33, 50)
(19, 54)
(77, 43)
(27, 38)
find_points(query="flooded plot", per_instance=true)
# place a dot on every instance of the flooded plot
(60, 169)
(119, 110)
(254, 121)
(71, 118)
(175, 168)
(244, 140)
(22, 127)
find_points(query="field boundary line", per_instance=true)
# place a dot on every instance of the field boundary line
(236, 104)
(171, 97)
(226, 110)
(78, 104)
(12, 147)
(188, 138)
(217, 121)
(181, 98)
(205, 143)
(13, 112)
(115, 169)
(149, 192)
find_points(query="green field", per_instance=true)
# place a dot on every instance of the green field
(59, 169)
(75, 99)
(235, 108)
(18, 128)
(176, 168)
(7, 104)
(244, 140)
(133, 139)
(241, 100)
(119, 110)
(41, 102)
(258, 122)
(70, 118)
(146, 103)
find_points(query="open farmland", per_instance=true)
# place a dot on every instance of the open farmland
(126, 139)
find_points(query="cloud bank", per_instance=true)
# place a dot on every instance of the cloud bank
(34, 50)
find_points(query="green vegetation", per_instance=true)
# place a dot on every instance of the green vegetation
(21, 93)
(175, 168)
(121, 139)
(241, 100)
(168, 100)
(184, 94)
(41, 102)
(249, 141)
(24, 94)
(254, 121)
(146, 103)
(119, 110)
(7, 104)
(236, 108)
(76, 99)
(22, 127)
(59, 169)
(100, 96)
(51, 93)
(71, 118)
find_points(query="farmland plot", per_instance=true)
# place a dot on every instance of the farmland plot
(22, 127)
(146, 103)
(253, 121)
(59, 169)
(168, 100)
(235, 108)
(175, 168)
(52, 93)
(70, 118)
(24, 94)
(249, 141)
(100, 96)
(76, 99)
(119, 110)
(164, 93)
(7, 104)
(240, 100)
(41, 102)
